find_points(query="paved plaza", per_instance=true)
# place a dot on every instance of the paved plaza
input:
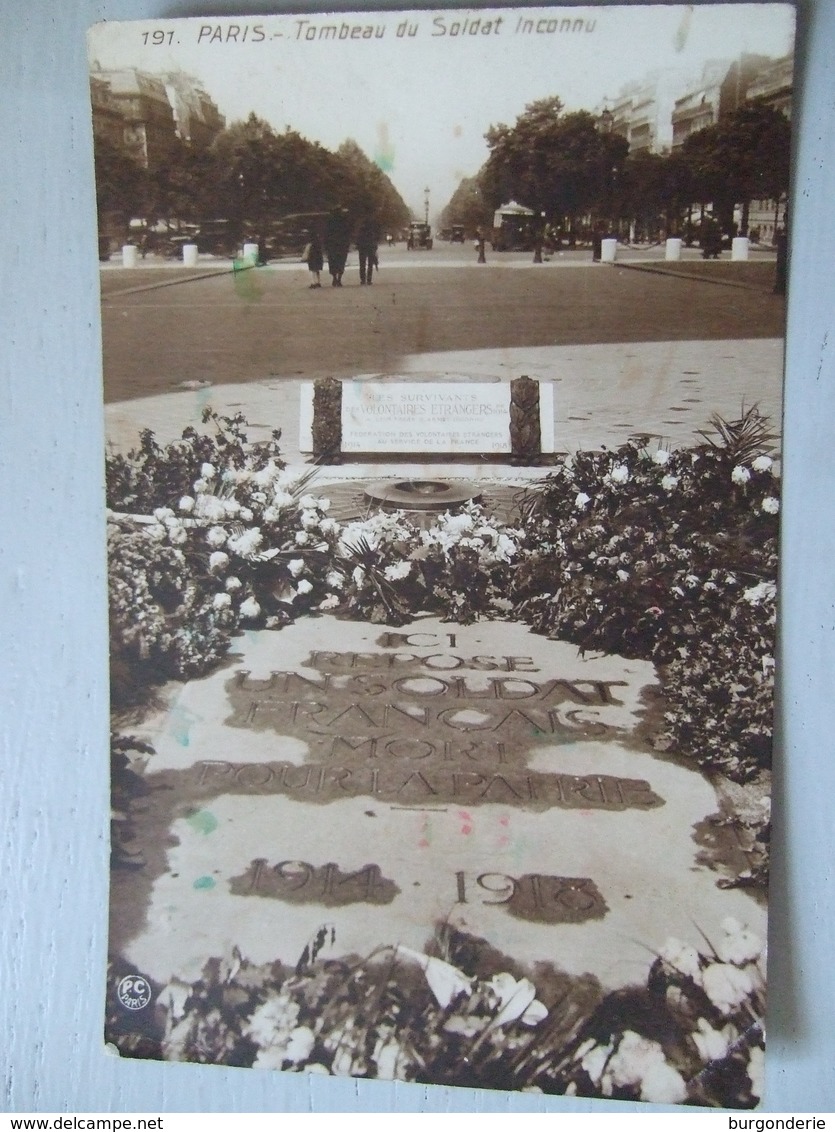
(640, 346)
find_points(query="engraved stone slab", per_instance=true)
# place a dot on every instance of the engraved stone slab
(382, 781)
(393, 416)
(412, 417)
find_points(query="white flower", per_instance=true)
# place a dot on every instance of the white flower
(712, 1044)
(334, 579)
(163, 513)
(457, 523)
(661, 457)
(387, 1057)
(246, 544)
(669, 483)
(756, 1071)
(740, 945)
(221, 601)
(307, 502)
(232, 507)
(264, 476)
(330, 602)
(207, 471)
(762, 463)
(770, 505)
(302, 538)
(445, 981)
(682, 957)
(301, 1042)
(216, 536)
(218, 560)
(398, 570)
(246, 515)
(200, 486)
(329, 526)
(662, 1084)
(304, 587)
(619, 473)
(594, 1061)
(358, 575)
(296, 566)
(582, 501)
(632, 1060)
(233, 584)
(517, 999)
(250, 608)
(726, 986)
(309, 519)
(623, 575)
(270, 1057)
(176, 536)
(505, 547)
(324, 504)
(186, 503)
(211, 508)
(282, 499)
(740, 474)
(765, 591)
(272, 1023)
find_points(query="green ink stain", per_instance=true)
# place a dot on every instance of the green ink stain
(179, 724)
(203, 822)
(204, 883)
(384, 152)
(246, 286)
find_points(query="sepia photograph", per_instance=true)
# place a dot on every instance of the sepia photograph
(443, 602)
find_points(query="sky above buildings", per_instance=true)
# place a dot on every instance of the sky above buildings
(417, 90)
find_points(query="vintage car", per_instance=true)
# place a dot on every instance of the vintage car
(420, 236)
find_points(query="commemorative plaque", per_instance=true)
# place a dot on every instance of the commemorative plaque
(443, 493)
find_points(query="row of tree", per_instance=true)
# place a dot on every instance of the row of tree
(569, 169)
(249, 176)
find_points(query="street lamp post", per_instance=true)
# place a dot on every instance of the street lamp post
(426, 205)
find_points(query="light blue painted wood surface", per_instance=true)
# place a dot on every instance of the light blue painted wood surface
(53, 805)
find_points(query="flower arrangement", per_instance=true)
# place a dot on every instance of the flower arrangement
(666, 556)
(463, 1014)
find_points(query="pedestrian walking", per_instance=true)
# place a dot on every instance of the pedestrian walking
(337, 243)
(480, 243)
(315, 259)
(368, 240)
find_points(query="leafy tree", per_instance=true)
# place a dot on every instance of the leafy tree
(554, 163)
(743, 157)
(366, 189)
(120, 180)
(468, 206)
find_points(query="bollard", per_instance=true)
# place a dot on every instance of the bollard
(250, 254)
(672, 248)
(129, 255)
(739, 248)
(608, 250)
(190, 255)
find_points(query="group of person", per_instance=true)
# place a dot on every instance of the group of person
(335, 244)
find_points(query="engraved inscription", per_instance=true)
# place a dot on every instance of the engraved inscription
(299, 882)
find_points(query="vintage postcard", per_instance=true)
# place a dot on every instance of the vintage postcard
(443, 385)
